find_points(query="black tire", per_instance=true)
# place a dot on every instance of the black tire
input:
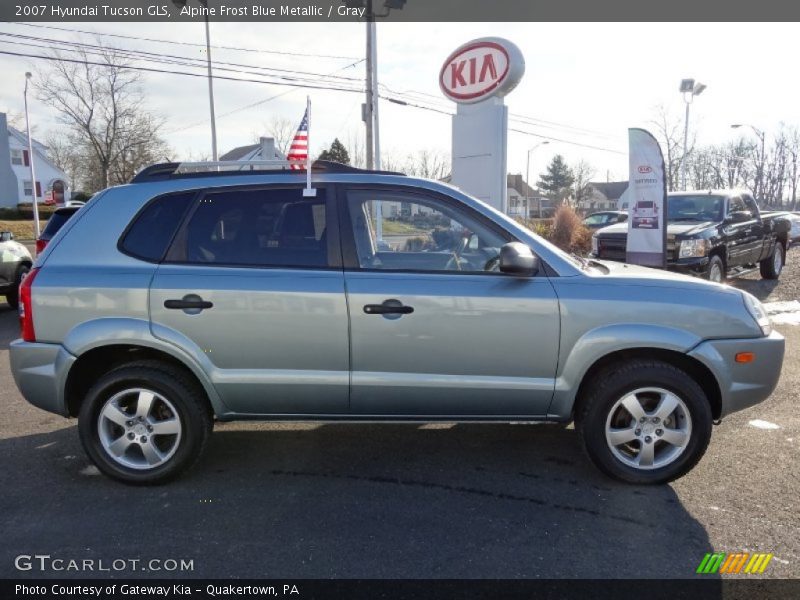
(184, 394)
(716, 262)
(12, 296)
(619, 380)
(769, 270)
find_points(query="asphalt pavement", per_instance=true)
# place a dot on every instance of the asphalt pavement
(400, 501)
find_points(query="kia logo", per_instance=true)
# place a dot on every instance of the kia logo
(645, 169)
(474, 71)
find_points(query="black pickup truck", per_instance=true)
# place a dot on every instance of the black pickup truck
(712, 234)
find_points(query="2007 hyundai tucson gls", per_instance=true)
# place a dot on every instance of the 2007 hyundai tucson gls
(208, 294)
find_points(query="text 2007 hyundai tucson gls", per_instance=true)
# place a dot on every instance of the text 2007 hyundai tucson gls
(192, 294)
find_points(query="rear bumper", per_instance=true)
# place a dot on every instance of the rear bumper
(40, 372)
(743, 384)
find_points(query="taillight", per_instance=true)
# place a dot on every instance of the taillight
(26, 308)
(40, 245)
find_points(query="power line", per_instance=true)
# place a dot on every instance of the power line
(538, 135)
(67, 46)
(184, 73)
(252, 105)
(163, 41)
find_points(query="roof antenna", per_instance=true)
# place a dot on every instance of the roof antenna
(308, 191)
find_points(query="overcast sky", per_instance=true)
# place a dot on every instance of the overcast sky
(589, 81)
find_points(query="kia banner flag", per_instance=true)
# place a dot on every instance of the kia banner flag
(647, 206)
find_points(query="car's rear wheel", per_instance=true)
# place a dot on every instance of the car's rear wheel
(716, 269)
(12, 296)
(144, 423)
(645, 422)
(772, 266)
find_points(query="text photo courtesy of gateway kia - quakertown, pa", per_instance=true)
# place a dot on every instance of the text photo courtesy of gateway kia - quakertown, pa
(399, 299)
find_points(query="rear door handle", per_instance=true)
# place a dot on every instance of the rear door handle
(388, 307)
(189, 302)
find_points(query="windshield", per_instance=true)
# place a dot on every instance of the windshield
(701, 207)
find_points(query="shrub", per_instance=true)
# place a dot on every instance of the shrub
(565, 227)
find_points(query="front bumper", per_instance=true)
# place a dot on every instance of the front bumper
(743, 384)
(40, 372)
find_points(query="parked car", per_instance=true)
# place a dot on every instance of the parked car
(712, 234)
(645, 215)
(210, 294)
(15, 262)
(605, 218)
(54, 224)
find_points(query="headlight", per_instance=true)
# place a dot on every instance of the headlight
(693, 248)
(594, 244)
(757, 311)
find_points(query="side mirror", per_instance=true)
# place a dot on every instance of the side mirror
(740, 216)
(6, 236)
(517, 259)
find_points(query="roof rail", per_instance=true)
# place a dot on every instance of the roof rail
(164, 171)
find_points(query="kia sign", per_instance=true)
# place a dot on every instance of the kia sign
(480, 69)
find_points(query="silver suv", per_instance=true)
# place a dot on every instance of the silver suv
(196, 293)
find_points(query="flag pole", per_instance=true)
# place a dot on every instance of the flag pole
(308, 192)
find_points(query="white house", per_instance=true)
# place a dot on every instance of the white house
(604, 195)
(15, 171)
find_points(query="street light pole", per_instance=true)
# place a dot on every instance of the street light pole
(689, 88)
(210, 87)
(528, 182)
(31, 161)
(204, 4)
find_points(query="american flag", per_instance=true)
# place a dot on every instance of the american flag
(298, 151)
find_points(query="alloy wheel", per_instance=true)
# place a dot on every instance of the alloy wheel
(139, 428)
(648, 428)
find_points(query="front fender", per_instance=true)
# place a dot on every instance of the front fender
(602, 341)
(136, 332)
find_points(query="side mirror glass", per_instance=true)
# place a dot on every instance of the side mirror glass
(6, 236)
(517, 259)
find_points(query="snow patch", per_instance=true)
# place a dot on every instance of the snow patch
(759, 424)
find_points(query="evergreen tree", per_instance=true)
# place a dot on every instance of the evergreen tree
(558, 179)
(337, 153)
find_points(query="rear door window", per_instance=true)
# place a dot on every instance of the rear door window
(259, 228)
(154, 227)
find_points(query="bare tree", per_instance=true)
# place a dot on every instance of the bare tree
(67, 156)
(669, 131)
(431, 164)
(281, 130)
(792, 167)
(583, 172)
(102, 106)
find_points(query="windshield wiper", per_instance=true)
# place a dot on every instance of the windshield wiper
(685, 219)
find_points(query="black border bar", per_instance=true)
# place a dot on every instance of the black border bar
(413, 11)
(710, 588)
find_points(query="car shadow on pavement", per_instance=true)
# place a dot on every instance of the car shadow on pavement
(760, 288)
(354, 501)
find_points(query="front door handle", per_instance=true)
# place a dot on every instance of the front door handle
(190, 303)
(388, 307)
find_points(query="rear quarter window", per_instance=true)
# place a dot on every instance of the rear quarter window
(56, 222)
(153, 228)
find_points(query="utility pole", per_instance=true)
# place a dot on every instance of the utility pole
(35, 205)
(369, 104)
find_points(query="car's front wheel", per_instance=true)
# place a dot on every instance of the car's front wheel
(144, 423)
(645, 421)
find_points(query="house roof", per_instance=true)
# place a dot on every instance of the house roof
(612, 190)
(37, 145)
(240, 152)
(516, 182)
